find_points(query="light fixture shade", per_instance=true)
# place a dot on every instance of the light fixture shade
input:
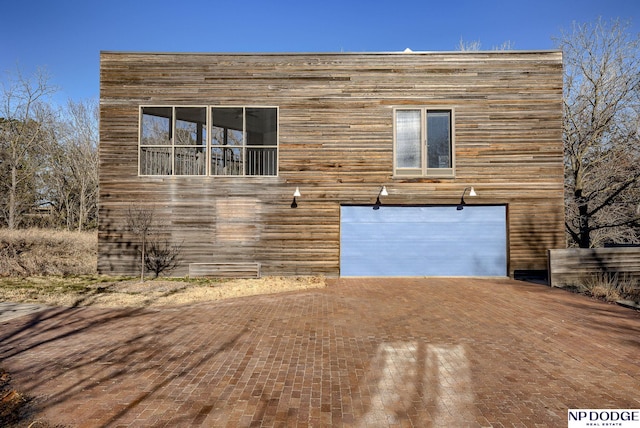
(462, 203)
(296, 194)
(383, 191)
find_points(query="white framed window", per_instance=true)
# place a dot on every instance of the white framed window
(244, 141)
(423, 142)
(208, 140)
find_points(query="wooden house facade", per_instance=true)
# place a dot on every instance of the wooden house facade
(378, 148)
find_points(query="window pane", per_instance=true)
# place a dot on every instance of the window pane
(438, 139)
(173, 141)
(261, 161)
(226, 161)
(156, 126)
(262, 128)
(227, 126)
(190, 160)
(155, 161)
(191, 126)
(408, 145)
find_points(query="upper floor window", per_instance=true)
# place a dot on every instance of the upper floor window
(208, 141)
(423, 142)
(244, 141)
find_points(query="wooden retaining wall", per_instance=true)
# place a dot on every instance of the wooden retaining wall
(224, 270)
(572, 266)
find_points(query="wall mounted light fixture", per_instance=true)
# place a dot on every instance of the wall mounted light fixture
(382, 192)
(296, 194)
(462, 203)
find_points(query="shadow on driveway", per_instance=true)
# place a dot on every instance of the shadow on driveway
(361, 352)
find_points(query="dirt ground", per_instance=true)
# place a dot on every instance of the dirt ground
(153, 293)
(170, 293)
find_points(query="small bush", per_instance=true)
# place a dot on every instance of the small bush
(162, 256)
(12, 403)
(610, 286)
(16, 409)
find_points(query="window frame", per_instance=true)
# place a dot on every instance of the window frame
(208, 146)
(245, 146)
(424, 171)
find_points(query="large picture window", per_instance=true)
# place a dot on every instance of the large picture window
(423, 142)
(239, 141)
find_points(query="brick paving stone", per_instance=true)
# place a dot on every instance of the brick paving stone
(379, 352)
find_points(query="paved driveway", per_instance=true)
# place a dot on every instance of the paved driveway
(362, 352)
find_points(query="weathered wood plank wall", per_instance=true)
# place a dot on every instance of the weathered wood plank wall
(573, 266)
(336, 144)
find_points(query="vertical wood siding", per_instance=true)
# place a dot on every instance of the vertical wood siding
(336, 145)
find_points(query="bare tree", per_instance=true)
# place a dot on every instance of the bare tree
(476, 45)
(73, 165)
(25, 117)
(471, 46)
(601, 141)
(505, 46)
(162, 255)
(140, 223)
(157, 253)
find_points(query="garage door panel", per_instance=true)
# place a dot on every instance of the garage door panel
(423, 241)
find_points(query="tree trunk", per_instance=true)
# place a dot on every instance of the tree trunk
(12, 199)
(142, 259)
(584, 238)
(585, 232)
(81, 208)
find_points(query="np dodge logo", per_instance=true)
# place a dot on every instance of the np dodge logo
(603, 418)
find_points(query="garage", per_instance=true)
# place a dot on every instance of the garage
(423, 241)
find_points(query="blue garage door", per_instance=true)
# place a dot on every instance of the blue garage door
(423, 241)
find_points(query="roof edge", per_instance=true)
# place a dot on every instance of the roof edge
(482, 52)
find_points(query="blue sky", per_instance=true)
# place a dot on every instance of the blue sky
(66, 36)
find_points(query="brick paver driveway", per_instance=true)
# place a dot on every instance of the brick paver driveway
(362, 352)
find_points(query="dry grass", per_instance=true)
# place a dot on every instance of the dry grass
(609, 287)
(12, 402)
(93, 290)
(47, 252)
(58, 268)
(16, 409)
